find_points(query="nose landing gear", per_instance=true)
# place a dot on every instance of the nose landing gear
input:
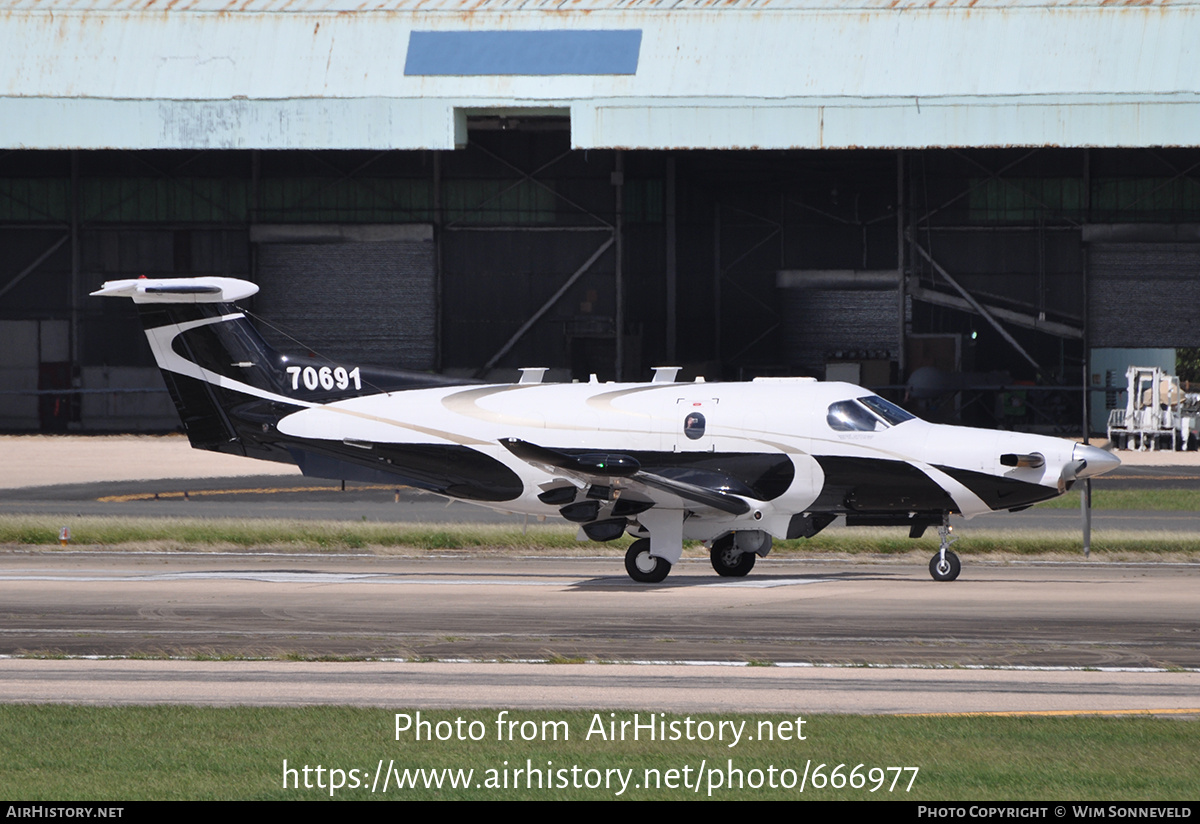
(945, 566)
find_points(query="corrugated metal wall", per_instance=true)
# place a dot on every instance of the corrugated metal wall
(826, 325)
(1144, 295)
(357, 303)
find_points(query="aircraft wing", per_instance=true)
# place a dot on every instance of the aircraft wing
(706, 489)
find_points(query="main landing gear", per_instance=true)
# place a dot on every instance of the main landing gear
(728, 560)
(729, 557)
(644, 567)
(945, 566)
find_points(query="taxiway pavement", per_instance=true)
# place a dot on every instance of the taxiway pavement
(658, 688)
(1048, 636)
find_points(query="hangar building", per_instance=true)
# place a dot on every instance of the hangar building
(751, 187)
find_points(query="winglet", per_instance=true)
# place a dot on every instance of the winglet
(178, 290)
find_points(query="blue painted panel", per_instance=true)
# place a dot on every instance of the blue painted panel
(557, 51)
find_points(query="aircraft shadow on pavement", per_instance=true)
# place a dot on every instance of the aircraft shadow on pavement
(752, 582)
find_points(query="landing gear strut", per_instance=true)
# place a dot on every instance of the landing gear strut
(945, 566)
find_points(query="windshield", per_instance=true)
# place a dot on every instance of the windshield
(869, 414)
(886, 410)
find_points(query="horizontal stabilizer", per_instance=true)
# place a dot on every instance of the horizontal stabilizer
(178, 290)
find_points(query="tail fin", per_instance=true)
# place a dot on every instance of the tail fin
(220, 372)
(229, 385)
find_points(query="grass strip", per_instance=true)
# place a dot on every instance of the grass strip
(1153, 500)
(244, 533)
(216, 535)
(51, 752)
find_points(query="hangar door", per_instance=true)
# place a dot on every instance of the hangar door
(1144, 295)
(362, 294)
(839, 315)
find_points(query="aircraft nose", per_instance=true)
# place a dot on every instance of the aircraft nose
(1095, 461)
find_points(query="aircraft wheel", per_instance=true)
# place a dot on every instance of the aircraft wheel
(730, 562)
(644, 567)
(946, 570)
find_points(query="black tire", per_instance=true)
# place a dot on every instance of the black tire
(730, 562)
(947, 571)
(644, 567)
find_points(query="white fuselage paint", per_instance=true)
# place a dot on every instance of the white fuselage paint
(773, 417)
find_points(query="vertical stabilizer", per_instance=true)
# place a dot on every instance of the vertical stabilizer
(225, 380)
(230, 386)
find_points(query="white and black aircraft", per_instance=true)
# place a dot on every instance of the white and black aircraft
(730, 464)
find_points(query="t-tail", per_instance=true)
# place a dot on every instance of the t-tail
(230, 386)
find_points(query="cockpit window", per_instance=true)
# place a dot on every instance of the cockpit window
(886, 410)
(870, 414)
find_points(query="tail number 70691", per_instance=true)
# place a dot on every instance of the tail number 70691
(326, 377)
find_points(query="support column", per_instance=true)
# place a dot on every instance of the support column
(255, 205)
(672, 271)
(716, 328)
(618, 179)
(1085, 494)
(437, 261)
(76, 257)
(902, 289)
